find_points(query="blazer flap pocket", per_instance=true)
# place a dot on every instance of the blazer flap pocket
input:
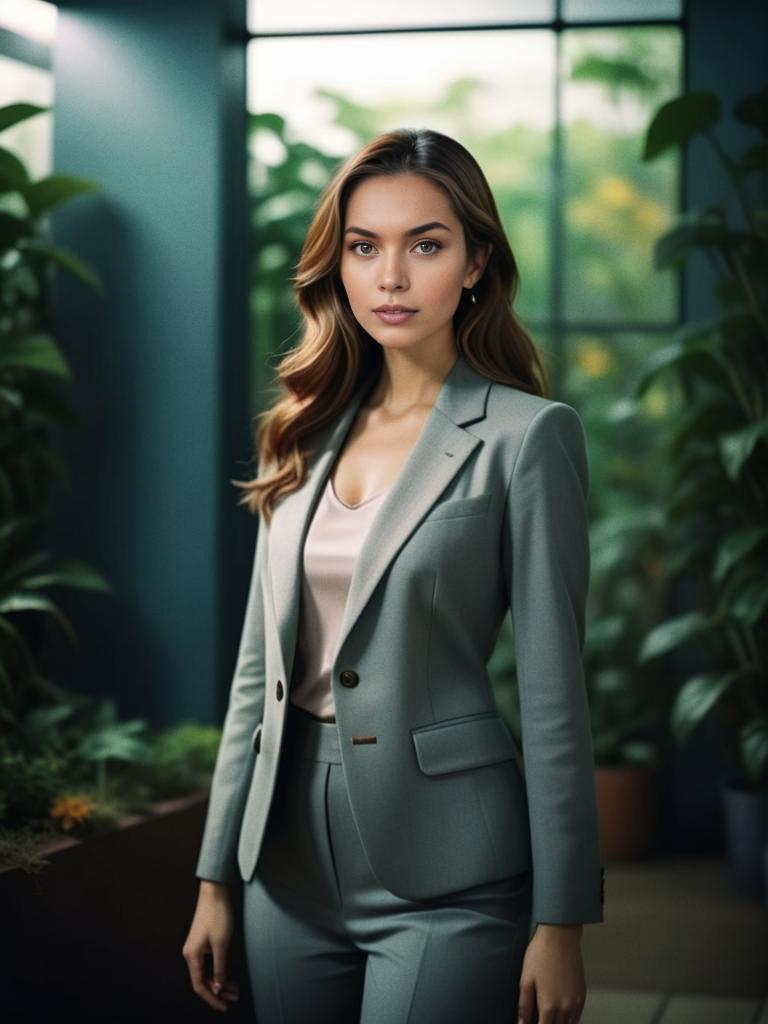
(256, 738)
(467, 742)
(475, 505)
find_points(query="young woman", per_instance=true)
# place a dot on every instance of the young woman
(401, 861)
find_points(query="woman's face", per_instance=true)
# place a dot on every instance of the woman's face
(402, 245)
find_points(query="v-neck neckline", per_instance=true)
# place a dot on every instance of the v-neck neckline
(352, 508)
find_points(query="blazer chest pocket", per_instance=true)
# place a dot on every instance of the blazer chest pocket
(467, 742)
(475, 505)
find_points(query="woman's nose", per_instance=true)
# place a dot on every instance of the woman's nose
(392, 273)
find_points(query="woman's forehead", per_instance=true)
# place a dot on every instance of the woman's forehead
(397, 203)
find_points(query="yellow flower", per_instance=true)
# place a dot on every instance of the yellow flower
(593, 359)
(72, 809)
(616, 192)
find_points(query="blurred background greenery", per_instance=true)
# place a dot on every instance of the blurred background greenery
(557, 121)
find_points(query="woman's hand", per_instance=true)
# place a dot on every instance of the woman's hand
(210, 932)
(552, 979)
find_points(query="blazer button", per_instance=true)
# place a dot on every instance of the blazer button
(279, 689)
(349, 678)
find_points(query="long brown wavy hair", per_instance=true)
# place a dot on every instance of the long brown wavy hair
(335, 354)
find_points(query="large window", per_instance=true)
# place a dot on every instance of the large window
(27, 29)
(554, 107)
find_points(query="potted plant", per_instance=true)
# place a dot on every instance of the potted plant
(625, 700)
(626, 708)
(717, 453)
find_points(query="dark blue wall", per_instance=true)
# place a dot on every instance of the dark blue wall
(150, 101)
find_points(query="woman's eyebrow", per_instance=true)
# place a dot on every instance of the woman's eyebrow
(411, 231)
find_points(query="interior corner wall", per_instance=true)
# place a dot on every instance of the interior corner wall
(150, 101)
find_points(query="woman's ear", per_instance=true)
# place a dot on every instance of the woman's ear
(478, 263)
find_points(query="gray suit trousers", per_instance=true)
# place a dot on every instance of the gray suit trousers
(326, 943)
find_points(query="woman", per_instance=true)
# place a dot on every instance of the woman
(416, 486)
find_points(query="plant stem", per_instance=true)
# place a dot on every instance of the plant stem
(730, 169)
(101, 776)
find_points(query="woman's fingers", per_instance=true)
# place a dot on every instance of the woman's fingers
(527, 1001)
(209, 935)
(230, 991)
(219, 979)
(196, 964)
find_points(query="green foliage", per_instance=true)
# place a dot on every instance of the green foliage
(679, 120)
(68, 765)
(717, 452)
(76, 768)
(183, 758)
(31, 366)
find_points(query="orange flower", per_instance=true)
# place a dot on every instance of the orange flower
(72, 809)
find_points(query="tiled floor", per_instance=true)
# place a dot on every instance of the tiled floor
(678, 946)
(607, 1006)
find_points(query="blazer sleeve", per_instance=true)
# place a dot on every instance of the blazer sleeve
(217, 860)
(547, 566)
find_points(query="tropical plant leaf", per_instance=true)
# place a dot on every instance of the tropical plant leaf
(750, 603)
(119, 741)
(24, 602)
(272, 122)
(15, 113)
(40, 721)
(15, 529)
(699, 490)
(696, 698)
(736, 546)
(13, 173)
(737, 446)
(678, 120)
(65, 259)
(11, 398)
(37, 352)
(69, 572)
(638, 752)
(753, 743)
(42, 196)
(11, 230)
(696, 230)
(694, 347)
(19, 568)
(672, 633)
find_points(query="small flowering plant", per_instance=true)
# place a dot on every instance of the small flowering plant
(72, 810)
(75, 769)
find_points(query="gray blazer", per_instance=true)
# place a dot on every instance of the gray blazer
(487, 515)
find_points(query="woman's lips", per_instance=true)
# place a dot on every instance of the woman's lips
(394, 318)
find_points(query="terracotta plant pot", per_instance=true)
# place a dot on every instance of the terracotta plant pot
(628, 804)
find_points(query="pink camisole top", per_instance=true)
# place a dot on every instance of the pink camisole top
(333, 542)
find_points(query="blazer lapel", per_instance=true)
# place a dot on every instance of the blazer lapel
(442, 448)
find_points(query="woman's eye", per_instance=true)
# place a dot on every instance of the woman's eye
(434, 246)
